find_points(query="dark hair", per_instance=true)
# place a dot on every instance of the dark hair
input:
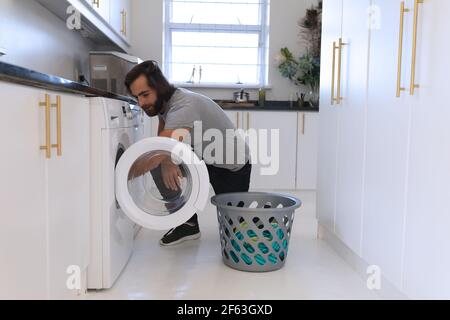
(155, 79)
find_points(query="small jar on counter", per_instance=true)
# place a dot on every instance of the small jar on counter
(262, 97)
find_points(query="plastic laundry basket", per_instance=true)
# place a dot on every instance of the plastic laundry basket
(255, 229)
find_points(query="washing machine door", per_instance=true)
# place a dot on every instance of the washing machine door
(142, 194)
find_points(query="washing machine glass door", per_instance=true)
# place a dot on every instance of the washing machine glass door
(140, 188)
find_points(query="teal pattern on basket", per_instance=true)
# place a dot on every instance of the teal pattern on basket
(268, 235)
(260, 260)
(273, 258)
(253, 236)
(234, 256)
(235, 246)
(263, 248)
(249, 247)
(280, 234)
(246, 259)
(238, 234)
(276, 246)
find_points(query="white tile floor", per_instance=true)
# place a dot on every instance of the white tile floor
(194, 270)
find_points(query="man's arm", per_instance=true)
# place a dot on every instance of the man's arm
(161, 125)
(170, 170)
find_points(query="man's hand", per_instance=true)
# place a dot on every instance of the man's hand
(144, 165)
(171, 174)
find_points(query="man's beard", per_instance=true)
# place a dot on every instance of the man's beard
(156, 109)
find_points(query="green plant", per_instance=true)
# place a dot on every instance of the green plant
(305, 71)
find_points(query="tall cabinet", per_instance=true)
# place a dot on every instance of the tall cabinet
(383, 164)
(329, 116)
(44, 234)
(427, 237)
(351, 105)
(388, 126)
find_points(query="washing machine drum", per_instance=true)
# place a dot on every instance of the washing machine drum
(142, 194)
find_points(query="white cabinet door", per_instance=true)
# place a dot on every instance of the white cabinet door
(127, 19)
(115, 16)
(328, 116)
(388, 125)
(68, 201)
(120, 19)
(45, 225)
(23, 241)
(276, 150)
(427, 259)
(101, 7)
(235, 117)
(351, 129)
(307, 150)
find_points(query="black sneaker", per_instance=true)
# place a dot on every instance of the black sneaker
(187, 231)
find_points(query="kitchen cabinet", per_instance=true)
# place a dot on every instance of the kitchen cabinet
(427, 239)
(364, 140)
(363, 144)
(276, 149)
(387, 201)
(68, 180)
(102, 7)
(106, 22)
(351, 81)
(45, 228)
(329, 115)
(307, 150)
(387, 138)
(120, 17)
(23, 235)
(298, 136)
(235, 117)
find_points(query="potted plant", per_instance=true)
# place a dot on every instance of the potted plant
(305, 71)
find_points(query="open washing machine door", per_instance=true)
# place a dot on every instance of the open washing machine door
(144, 198)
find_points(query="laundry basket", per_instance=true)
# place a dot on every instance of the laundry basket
(255, 229)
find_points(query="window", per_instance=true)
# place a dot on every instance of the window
(216, 42)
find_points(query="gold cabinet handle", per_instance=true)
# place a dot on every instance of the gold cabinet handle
(124, 22)
(96, 3)
(403, 10)
(339, 98)
(48, 144)
(248, 120)
(303, 123)
(237, 120)
(414, 48)
(58, 144)
(333, 73)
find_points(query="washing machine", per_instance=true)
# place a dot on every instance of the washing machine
(146, 202)
(139, 134)
(114, 128)
(125, 198)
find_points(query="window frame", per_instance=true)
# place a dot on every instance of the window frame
(263, 45)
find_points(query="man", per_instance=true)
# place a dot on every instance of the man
(180, 110)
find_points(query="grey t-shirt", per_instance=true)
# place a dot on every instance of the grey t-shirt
(213, 135)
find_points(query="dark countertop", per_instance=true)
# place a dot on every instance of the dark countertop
(20, 75)
(268, 106)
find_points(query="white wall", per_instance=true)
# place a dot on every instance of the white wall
(35, 38)
(147, 40)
